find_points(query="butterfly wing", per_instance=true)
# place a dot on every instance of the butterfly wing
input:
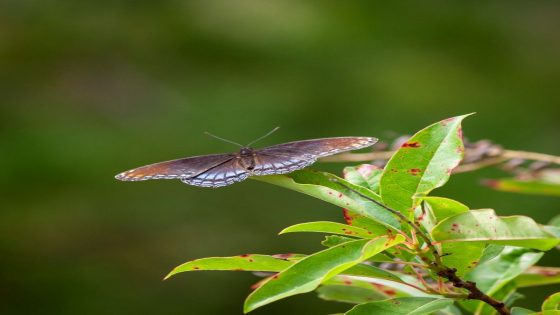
(291, 156)
(221, 175)
(181, 168)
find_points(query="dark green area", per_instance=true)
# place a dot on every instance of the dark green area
(93, 88)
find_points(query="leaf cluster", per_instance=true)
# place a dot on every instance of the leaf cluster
(394, 262)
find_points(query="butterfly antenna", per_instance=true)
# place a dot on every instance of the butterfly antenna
(225, 140)
(268, 134)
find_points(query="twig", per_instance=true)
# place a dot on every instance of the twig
(533, 156)
(502, 156)
(436, 264)
(469, 167)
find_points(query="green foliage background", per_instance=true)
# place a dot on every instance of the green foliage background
(90, 89)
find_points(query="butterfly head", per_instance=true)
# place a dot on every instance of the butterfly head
(246, 151)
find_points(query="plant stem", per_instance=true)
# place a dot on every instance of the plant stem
(436, 264)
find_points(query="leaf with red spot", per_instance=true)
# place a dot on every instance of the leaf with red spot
(484, 226)
(246, 262)
(463, 256)
(356, 290)
(321, 185)
(307, 274)
(350, 292)
(335, 228)
(422, 164)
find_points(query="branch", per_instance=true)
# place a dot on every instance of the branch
(436, 264)
(474, 158)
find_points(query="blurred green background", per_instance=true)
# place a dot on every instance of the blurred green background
(92, 88)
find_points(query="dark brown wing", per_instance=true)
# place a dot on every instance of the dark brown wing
(221, 175)
(291, 156)
(176, 169)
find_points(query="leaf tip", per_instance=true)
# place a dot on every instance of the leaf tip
(169, 275)
(247, 307)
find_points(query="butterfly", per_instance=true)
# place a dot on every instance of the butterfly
(217, 170)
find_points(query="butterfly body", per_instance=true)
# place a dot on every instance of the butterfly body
(219, 170)
(246, 158)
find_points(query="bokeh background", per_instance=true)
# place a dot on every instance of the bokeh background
(92, 88)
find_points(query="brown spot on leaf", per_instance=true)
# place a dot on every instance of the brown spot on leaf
(390, 292)
(347, 216)
(492, 183)
(455, 228)
(414, 171)
(414, 144)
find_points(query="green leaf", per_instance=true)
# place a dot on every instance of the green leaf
(536, 275)
(333, 240)
(307, 274)
(360, 289)
(363, 270)
(331, 227)
(444, 207)
(552, 302)
(365, 175)
(493, 274)
(248, 262)
(486, 227)
(349, 294)
(555, 221)
(521, 311)
(449, 310)
(535, 187)
(320, 185)
(352, 290)
(491, 251)
(462, 256)
(422, 164)
(402, 306)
